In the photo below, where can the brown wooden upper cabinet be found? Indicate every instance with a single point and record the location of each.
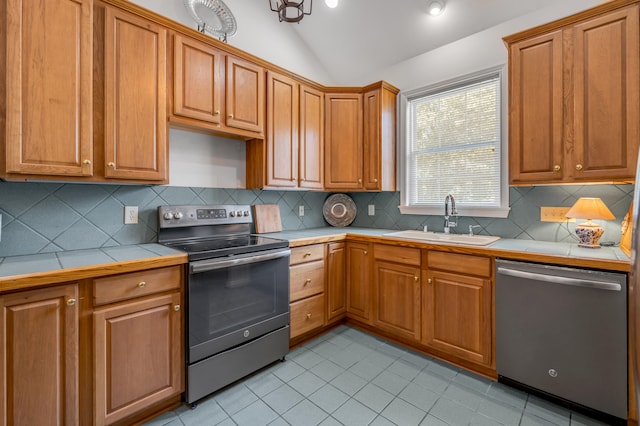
(574, 98)
(135, 133)
(291, 154)
(360, 130)
(47, 84)
(215, 91)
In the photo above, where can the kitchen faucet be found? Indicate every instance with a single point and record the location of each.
(449, 212)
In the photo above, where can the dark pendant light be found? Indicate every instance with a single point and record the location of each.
(290, 11)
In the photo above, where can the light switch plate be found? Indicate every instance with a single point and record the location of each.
(130, 215)
(300, 211)
(372, 210)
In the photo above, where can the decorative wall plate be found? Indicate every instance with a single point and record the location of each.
(339, 210)
(212, 16)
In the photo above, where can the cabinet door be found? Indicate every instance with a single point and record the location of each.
(311, 156)
(48, 126)
(138, 350)
(358, 285)
(457, 315)
(397, 298)
(135, 98)
(343, 141)
(380, 140)
(39, 335)
(606, 96)
(536, 110)
(197, 80)
(336, 286)
(244, 95)
(282, 131)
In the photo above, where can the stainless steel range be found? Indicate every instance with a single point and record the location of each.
(237, 293)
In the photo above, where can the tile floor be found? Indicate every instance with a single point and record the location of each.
(347, 377)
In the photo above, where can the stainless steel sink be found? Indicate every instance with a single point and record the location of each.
(474, 240)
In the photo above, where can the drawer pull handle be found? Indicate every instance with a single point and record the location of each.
(231, 116)
(307, 254)
(308, 316)
(71, 302)
(142, 284)
(307, 281)
(176, 308)
(578, 167)
(556, 168)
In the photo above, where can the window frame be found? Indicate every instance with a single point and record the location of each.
(405, 97)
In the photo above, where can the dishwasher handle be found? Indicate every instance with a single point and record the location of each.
(578, 282)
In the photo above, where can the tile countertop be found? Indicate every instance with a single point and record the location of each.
(18, 272)
(569, 254)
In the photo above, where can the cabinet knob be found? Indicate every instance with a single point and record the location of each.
(307, 281)
(308, 316)
(176, 308)
(359, 180)
(301, 179)
(556, 168)
(366, 252)
(87, 162)
(375, 180)
(71, 302)
(230, 116)
(142, 284)
(578, 167)
(429, 281)
(111, 165)
(416, 278)
(217, 112)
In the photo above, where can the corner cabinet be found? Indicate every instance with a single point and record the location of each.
(457, 306)
(574, 98)
(135, 132)
(358, 285)
(336, 288)
(46, 88)
(138, 342)
(39, 357)
(360, 139)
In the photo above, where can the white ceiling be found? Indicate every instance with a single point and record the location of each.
(375, 34)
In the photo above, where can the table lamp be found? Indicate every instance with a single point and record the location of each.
(589, 232)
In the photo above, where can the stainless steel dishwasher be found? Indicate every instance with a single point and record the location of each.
(563, 331)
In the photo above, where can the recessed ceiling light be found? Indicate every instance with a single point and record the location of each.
(331, 3)
(436, 8)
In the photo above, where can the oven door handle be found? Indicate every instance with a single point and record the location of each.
(211, 265)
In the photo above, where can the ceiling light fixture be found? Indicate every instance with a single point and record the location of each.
(290, 11)
(331, 3)
(436, 7)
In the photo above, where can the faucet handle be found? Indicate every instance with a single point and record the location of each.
(471, 229)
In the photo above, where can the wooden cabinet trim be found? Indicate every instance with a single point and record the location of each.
(460, 263)
(307, 315)
(306, 254)
(136, 284)
(404, 255)
(306, 280)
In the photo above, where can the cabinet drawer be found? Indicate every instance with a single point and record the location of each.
(405, 255)
(462, 263)
(307, 315)
(307, 254)
(306, 280)
(136, 284)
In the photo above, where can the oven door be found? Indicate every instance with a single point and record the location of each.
(234, 300)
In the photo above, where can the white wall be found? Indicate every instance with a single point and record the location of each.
(477, 52)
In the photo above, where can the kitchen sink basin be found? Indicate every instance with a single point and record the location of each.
(434, 237)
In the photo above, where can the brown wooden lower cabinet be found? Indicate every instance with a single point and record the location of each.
(40, 367)
(307, 315)
(137, 347)
(336, 288)
(457, 306)
(358, 285)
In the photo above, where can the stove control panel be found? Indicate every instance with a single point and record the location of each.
(182, 216)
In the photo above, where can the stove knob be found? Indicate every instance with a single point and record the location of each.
(239, 213)
(232, 213)
(178, 215)
(168, 216)
(245, 213)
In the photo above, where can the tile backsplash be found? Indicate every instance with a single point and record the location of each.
(46, 217)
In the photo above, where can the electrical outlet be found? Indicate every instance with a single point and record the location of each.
(554, 214)
(372, 209)
(300, 211)
(130, 215)
(0, 227)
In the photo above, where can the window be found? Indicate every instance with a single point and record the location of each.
(453, 144)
